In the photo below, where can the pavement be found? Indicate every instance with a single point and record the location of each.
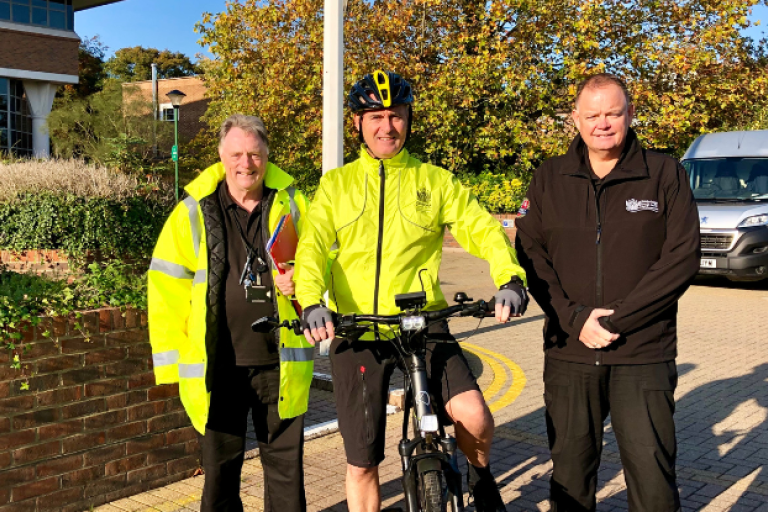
(721, 417)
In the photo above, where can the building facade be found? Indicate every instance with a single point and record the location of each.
(191, 111)
(38, 53)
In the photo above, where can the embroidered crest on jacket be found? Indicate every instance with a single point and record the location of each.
(423, 199)
(642, 205)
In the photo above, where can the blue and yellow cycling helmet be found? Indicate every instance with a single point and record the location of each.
(379, 90)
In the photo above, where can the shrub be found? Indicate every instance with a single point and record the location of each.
(79, 225)
(498, 193)
(64, 176)
(78, 208)
(24, 298)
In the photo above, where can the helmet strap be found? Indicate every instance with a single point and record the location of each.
(410, 123)
(360, 129)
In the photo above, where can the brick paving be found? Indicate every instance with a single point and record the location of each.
(722, 412)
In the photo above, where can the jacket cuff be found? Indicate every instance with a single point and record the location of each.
(578, 319)
(607, 324)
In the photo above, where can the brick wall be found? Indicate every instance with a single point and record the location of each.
(38, 52)
(93, 427)
(449, 241)
(39, 262)
(192, 109)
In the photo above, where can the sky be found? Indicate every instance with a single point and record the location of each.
(169, 24)
(161, 24)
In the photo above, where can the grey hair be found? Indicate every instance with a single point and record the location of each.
(249, 124)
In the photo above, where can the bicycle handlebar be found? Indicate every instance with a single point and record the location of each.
(468, 309)
(477, 309)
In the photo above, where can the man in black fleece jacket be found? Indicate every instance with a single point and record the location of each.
(610, 243)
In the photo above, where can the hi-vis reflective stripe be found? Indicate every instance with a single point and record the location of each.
(171, 269)
(194, 224)
(200, 276)
(297, 355)
(191, 371)
(165, 358)
(295, 213)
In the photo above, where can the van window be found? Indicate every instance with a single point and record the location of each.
(729, 179)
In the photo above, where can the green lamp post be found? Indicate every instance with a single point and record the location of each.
(176, 98)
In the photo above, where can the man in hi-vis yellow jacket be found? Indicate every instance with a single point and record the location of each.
(209, 279)
(387, 213)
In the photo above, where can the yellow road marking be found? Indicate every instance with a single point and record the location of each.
(499, 376)
(518, 377)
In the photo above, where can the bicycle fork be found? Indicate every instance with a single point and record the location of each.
(427, 424)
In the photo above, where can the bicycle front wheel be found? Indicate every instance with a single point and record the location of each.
(432, 491)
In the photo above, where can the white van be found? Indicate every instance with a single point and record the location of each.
(729, 178)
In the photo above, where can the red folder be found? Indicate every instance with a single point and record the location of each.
(282, 248)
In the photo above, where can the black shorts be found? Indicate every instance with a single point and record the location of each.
(361, 374)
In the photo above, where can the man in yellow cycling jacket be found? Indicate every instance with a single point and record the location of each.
(209, 279)
(387, 213)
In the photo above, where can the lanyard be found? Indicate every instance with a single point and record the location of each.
(251, 253)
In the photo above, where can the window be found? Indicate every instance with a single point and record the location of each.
(728, 179)
(166, 112)
(58, 14)
(15, 118)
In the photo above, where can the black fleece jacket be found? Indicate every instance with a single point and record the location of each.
(629, 243)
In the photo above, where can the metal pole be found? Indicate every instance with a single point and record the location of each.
(176, 149)
(154, 110)
(333, 85)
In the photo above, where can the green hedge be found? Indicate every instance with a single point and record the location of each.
(126, 227)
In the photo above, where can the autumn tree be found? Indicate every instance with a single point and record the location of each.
(134, 64)
(494, 80)
(109, 127)
(91, 73)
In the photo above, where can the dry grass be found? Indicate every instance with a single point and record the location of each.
(73, 176)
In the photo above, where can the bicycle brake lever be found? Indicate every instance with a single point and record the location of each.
(298, 329)
(484, 310)
(490, 309)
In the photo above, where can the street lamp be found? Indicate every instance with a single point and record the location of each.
(176, 98)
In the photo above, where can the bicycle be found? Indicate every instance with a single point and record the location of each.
(431, 477)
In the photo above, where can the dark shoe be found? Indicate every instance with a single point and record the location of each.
(484, 491)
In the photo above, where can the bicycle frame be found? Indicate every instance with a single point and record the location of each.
(430, 452)
(434, 450)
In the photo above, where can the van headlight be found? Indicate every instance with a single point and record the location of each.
(755, 220)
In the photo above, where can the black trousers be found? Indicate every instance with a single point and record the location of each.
(640, 399)
(235, 392)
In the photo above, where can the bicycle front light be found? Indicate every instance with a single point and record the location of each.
(429, 423)
(413, 323)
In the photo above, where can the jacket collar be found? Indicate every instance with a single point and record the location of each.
(397, 162)
(205, 184)
(631, 164)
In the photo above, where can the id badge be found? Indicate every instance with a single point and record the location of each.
(256, 293)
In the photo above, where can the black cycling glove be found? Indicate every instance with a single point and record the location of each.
(514, 295)
(316, 316)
